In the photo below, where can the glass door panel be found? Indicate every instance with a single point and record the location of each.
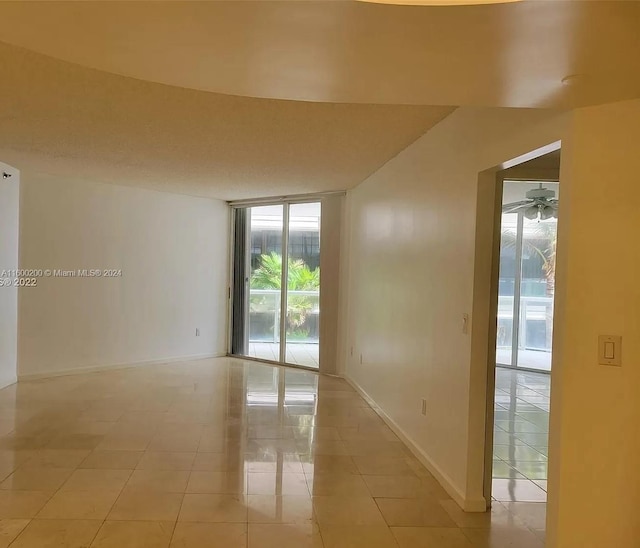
(276, 283)
(265, 281)
(303, 285)
(536, 293)
(526, 280)
(506, 289)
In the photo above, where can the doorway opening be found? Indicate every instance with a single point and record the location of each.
(276, 283)
(524, 332)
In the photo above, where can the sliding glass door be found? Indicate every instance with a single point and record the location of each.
(276, 304)
(303, 288)
(526, 284)
(536, 293)
(510, 228)
(265, 281)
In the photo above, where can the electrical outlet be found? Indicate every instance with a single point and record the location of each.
(424, 407)
(197, 331)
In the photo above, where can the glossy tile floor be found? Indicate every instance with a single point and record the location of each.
(521, 436)
(222, 453)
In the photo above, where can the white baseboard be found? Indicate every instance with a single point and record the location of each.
(468, 505)
(101, 368)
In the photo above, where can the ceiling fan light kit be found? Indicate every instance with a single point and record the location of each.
(540, 212)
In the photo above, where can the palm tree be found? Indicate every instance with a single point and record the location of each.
(299, 278)
(269, 274)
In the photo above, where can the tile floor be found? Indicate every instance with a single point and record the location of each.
(521, 436)
(222, 453)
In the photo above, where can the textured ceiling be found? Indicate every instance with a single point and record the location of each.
(70, 121)
(514, 54)
(245, 99)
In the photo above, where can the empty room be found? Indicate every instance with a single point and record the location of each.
(319, 274)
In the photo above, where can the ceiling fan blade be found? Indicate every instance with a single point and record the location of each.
(515, 206)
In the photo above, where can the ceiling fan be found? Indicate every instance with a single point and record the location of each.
(540, 203)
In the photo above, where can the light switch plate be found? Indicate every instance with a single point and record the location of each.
(610, 350)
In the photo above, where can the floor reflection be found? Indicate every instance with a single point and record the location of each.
(247, 454)
(521, 435)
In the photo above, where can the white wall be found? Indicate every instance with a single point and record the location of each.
(594, 458)
(9, 200)
(330, 240)
(410, 280)
(172, 251)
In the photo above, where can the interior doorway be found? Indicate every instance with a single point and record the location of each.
(524, 333)
(276, 283)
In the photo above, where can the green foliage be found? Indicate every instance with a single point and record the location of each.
(302, 278)
(299, 278)
(269, 274)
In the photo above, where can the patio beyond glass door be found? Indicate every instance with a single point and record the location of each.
(276, 306)
(526, 287)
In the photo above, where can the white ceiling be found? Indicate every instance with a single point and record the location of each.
(72, 122)
(513, 54)
(244, 99)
